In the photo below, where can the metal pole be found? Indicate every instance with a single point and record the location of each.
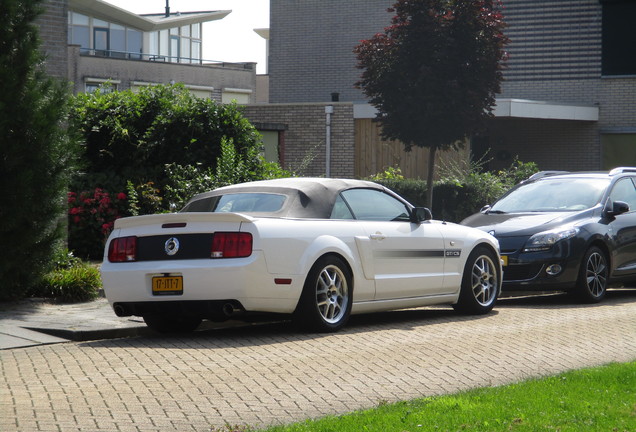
(328, 112)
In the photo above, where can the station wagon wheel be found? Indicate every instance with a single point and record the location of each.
(325, 303)
(591, 285)
(172, 324)
(480, 282)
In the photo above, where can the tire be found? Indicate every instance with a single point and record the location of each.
(591, 285)
(325, 303)
(480, 283)
(172, 324)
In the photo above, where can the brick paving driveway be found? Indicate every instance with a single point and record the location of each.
(272, 374)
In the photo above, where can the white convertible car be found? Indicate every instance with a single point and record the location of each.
(313, 248)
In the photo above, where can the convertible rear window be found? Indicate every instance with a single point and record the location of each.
(238, 203)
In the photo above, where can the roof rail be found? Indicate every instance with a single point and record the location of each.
(542, 174)
(620, 170)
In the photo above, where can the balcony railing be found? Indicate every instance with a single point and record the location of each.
(123, 55)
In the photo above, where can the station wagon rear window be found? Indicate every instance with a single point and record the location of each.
(238, 203)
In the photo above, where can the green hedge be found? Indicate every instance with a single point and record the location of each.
(460, 191)
(451, 202)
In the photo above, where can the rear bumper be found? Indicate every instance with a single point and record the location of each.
(206, 283)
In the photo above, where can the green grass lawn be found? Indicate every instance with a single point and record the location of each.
(599, 399)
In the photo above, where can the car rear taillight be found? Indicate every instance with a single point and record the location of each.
(123, 249)
(231, 245)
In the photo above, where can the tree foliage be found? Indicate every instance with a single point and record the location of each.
(36, 153)
(434, 72)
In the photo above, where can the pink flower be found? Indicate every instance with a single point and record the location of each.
(121, 196)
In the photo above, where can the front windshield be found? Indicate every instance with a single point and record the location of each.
(552, 195)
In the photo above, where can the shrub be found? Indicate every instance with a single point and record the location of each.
(412, 190)
(72, 280)
(391, 173)
(132, 136)
(462, 190)
(144, 198)
(91, 217)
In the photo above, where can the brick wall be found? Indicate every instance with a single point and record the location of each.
(552, 144)
(618, 104)
(53, 27)
(311, 47)
(305, 136)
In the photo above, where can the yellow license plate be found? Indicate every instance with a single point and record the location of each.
(167, 285)
(504, 260)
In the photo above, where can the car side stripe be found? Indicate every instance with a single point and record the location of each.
(409, 254)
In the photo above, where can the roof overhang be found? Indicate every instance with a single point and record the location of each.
(516, 108)
(108, 12)
(531, 109)
(262, 32)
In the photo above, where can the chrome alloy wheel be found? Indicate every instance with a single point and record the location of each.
(596, 274)
(484, 281)
(332, 294)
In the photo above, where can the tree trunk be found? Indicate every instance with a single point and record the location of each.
(429, 177)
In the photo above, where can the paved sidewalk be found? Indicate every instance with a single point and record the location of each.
(38, 321)
(272, 374)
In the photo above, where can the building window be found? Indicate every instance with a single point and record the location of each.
(619, 37)
(178, 45)
(78, 30)
(103, 85)
(164, 43)
(273, 141)
(101, 41)
(118, 39)
(98, 37)
(135, 43)
(136, 86)
(174, 48)
(240, 96)
(270, 146)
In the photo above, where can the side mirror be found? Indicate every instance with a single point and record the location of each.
(616, 208)
(420, 214)
(485, 209)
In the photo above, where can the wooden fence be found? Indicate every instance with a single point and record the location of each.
(373, 155)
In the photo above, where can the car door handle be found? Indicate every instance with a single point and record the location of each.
(377, 236)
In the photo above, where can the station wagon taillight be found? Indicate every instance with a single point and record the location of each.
(123, 249)
(231, 245)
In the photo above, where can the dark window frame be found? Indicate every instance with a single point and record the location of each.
(619, 38)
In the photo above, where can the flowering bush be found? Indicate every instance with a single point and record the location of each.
(91, 217)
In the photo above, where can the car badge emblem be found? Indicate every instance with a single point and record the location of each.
(491, 232)
(172, 246)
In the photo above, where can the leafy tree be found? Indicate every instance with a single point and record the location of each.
(35, 156)
(434, 72)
